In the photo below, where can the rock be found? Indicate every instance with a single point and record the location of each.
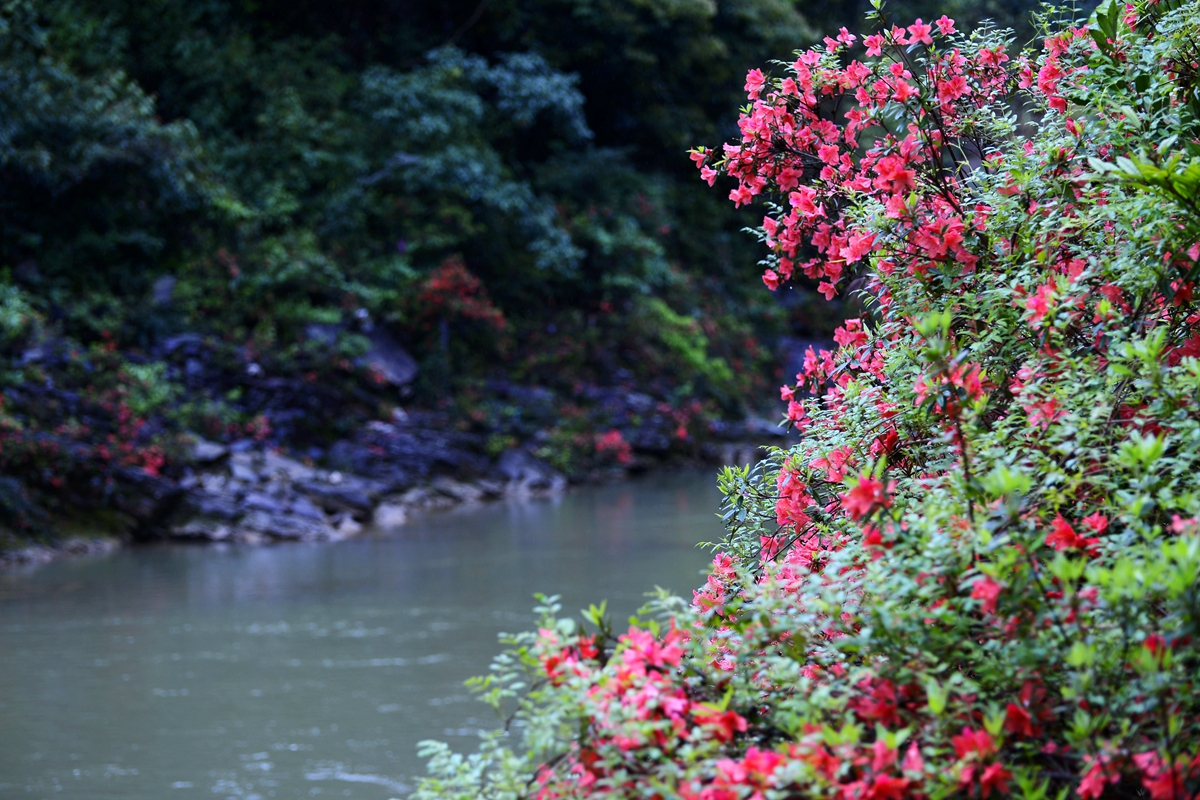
(416, 496)
(400, 454)
(639, 403)
(350, 494)
(389, 359)
(649, 440)
(287, 526)
(44, 554)
(222, 505)
(324, 333)
(526, 473)
(740, 453)
(212, 482)
(462, 492)
(303, 507)
(425, 498)
(758, 426)
(271, 510)
(491, 488)
(204, 451)
(346, 525)
(262, 502)
(242, 467)
(201, 530)
(390, 515)
(143, 495)
(163, 288)
(274, 464)
(185, 340)
(32, 355)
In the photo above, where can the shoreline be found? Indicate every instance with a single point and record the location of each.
(244, 524)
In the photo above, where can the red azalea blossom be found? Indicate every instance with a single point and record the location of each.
(988, 591)
(1063, 537)
(994, 778)
(864, 498)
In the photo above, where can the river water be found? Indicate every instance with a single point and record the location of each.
(308, 670)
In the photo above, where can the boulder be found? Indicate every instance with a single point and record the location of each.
(346, 525)
(163, 289)
(274, 465)
(760, 426)
(639, 403)
(205, 530)
(739, 453)
(258, 501)
(211, 481)
(186, 341)
(390, 515)
(303, 507)
(221, 505)
(143, 495)
(462, 492)
(350, 493)
(416, 496)
(490, 488)
(322, 332)
(241, 465)
(526, 473)
(288, 526)
(650, 439)
(389, 359)
(205, 452)
(427, 498)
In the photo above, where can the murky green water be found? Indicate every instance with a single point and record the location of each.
(307, 670)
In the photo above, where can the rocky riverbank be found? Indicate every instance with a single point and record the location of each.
(250, 493)
(253, 496)
(200, 441)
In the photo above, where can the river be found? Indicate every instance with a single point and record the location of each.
(308, 670)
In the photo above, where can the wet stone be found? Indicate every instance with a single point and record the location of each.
(274, 464)
(287, 526)
(526, 473)
(302, 506)
(243, 472)
(350, 494)
(263, 502)
(462, 492)
(221, 506)
(204, 451)
(390, 515)
(201, 530)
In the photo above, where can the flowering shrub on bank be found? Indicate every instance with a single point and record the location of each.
(978, 572)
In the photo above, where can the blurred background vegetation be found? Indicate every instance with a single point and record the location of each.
(200, 197)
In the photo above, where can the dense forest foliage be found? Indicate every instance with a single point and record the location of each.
(212, 212)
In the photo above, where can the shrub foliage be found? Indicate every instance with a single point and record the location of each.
(978, 572)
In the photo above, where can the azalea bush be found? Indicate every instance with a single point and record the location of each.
(978, 572)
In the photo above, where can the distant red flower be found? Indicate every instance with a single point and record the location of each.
(988, 591)
(864, 498)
